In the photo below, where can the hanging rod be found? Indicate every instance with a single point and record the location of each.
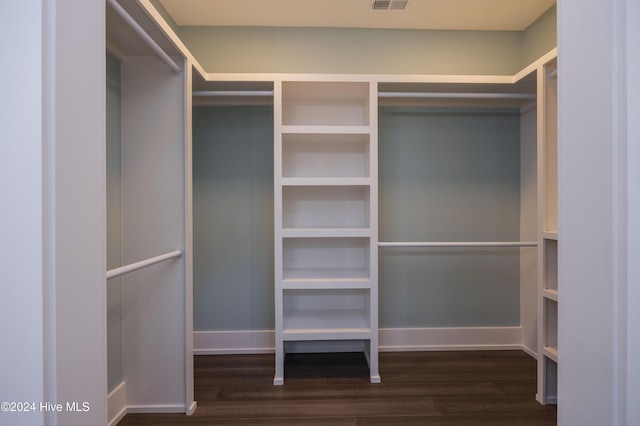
(146, 37)
(552, 74)
(113, 273)
(456, 95)
(233, 93)
(459, 244)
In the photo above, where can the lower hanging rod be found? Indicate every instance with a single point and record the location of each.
(113, 273)
(460, 244)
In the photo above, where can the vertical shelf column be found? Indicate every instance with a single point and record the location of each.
(325, 197)
(547, 234)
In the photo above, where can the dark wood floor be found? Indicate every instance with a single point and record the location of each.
(418, 388)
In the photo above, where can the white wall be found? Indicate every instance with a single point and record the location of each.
(21, 214)
(632, 13)
(597, 256)
(53, 302)
(153, 223)
(78, 218)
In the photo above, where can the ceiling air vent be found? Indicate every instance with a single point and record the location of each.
(389, 4)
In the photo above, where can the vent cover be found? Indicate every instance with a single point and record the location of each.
(389, 4)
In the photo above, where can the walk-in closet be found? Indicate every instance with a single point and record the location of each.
(345, 212)
(323, 212)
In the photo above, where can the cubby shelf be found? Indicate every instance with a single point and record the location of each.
(325, 192)
(548, 285)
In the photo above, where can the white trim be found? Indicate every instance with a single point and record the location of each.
(157, 408)
(529, 351)
(450, 338)
(391, 340)
(233, 342)
(117, 404)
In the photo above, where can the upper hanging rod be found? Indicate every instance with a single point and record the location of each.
(233, 93)
(142, 33)
(459, 244)
(552, 74)
(113, 273)
(456, 95)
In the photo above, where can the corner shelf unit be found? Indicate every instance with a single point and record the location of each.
(548, 288)
(325, 198)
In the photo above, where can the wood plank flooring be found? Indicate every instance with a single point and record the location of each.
(483, 388)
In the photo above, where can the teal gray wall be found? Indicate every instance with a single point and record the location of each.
(356, 51)
(445, 175)
(114, 222)
(540, 37)
(368, 51)
(166, 16)
(449, 175)
(233, 218)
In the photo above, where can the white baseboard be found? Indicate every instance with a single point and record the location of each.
(117, 404)
(449, 339)
(530, 351)
(159, 408)
(390, 339)
(233, 342)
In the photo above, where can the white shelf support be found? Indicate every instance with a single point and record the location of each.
(114, 273)
(460, 244)
(143, 34)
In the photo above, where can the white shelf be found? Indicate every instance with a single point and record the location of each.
(326, 129)
(548, 284)
(325, 207)
(324, 274)
(319, 155)
(551, 353)
(325, 103)
(360, 283)
(309, 313)
(326, 232)
(550, 294)
(326, 215)
(315, 321)
(326, 181)
(550, 267)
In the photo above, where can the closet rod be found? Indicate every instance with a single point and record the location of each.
(146, 37)
(455, 95)
(459, 244)
(113, 273)
(552, 74)
(233, 93)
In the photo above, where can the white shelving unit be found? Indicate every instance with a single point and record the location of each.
(548, 287)
(325, 190)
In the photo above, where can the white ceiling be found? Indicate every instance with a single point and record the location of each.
(499, 15)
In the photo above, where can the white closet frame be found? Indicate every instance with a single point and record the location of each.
(157, 295)
(548, 286)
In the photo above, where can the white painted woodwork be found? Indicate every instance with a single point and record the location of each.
(25, 375)
(156, 329)
(548, 288)
(598, 381)
(75, 218)
(325, 195)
